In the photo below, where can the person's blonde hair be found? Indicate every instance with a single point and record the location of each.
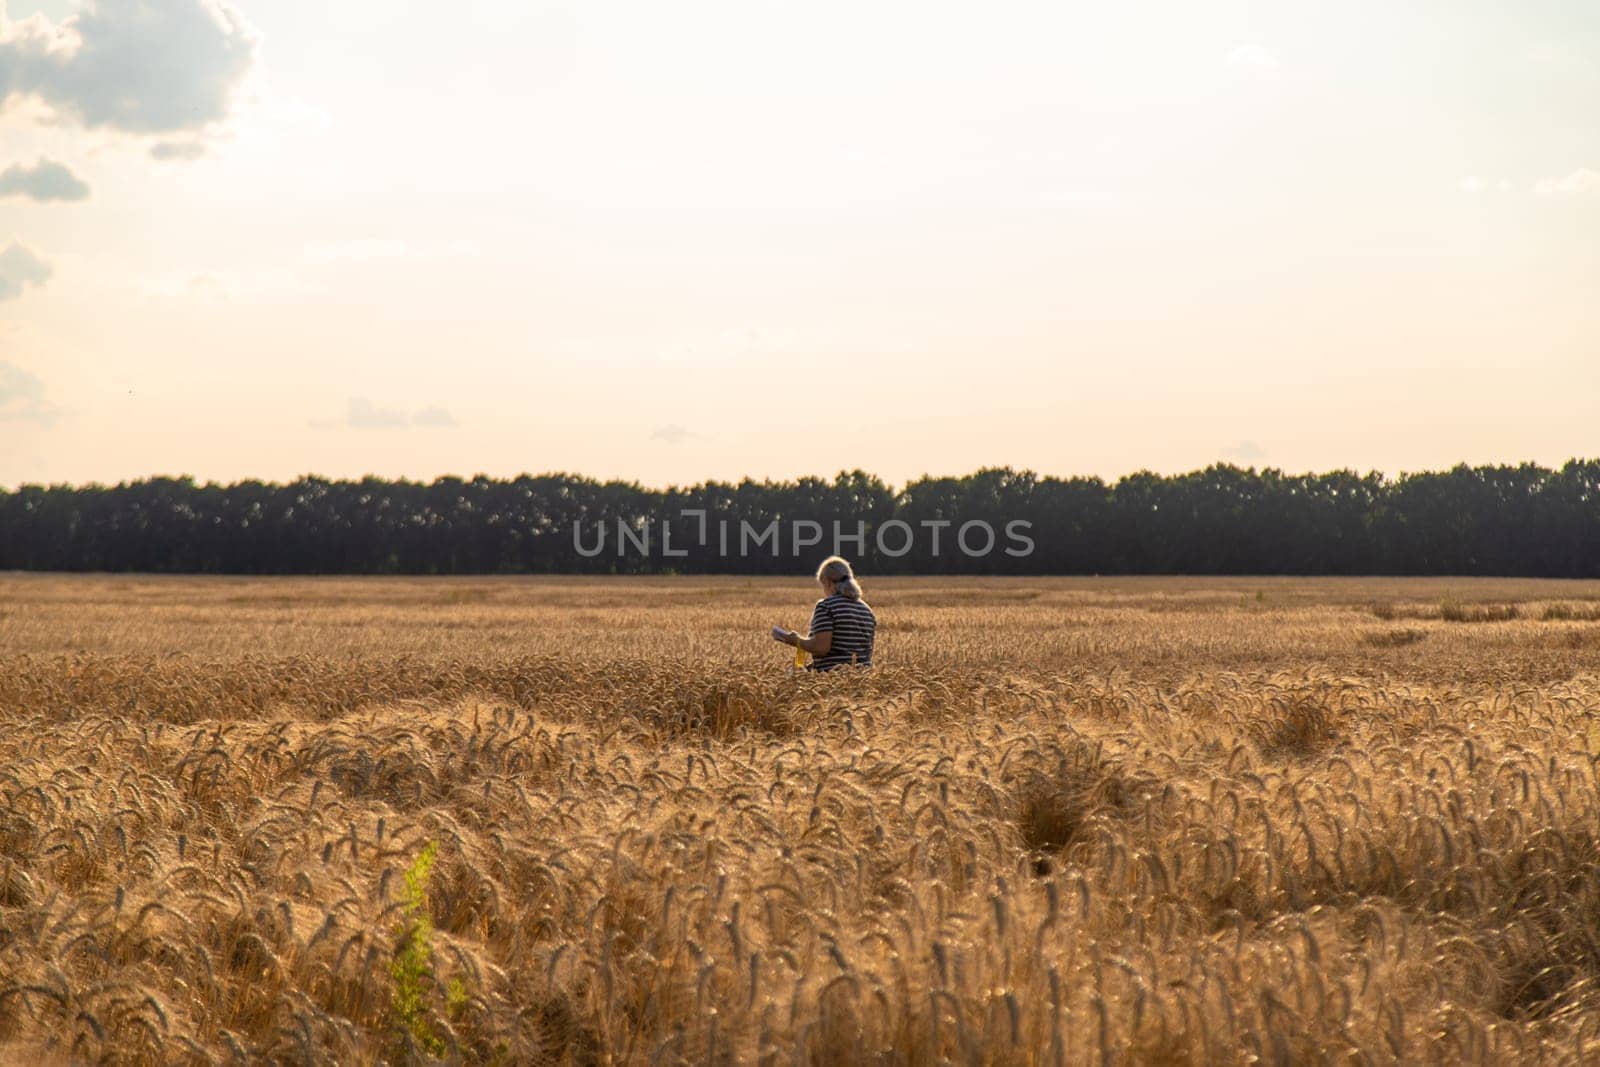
(836, 569)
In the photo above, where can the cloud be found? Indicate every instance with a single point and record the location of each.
(433, 417)
(167, 151)
(45, 180)
(1472, 184)
(20, 268)
(1254, 61)
(673, 434)
(362, 414)
(1246, 452)
(22, 396)
(137, 66)
(1581, 182)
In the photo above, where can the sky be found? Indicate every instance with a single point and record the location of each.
(673, 242)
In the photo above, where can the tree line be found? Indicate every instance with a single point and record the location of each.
(1490, 520)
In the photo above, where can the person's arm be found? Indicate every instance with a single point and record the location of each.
(816, 644)
(821, 639)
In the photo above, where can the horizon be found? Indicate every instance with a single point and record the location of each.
(664, 246)
(1387, 477)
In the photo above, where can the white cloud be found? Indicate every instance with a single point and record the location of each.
(22, 396)
(45, 180)
(433, 417)
(20, 267)
(1472, 184)
(1254, 61)
(168, 151)
(137, 66)
(673, 434)
(1246, 452)
(362, 414)
(1581, 182)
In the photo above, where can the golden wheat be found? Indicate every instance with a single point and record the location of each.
(1063, 822)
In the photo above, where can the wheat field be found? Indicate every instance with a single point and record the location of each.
(564, 821)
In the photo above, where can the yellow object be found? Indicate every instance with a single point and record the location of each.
(799, 656)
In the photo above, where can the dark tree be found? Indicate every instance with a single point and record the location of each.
(1523, 520)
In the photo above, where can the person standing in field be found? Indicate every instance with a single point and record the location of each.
(842, 625)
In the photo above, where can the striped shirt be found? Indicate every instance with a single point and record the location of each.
(852, 624)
